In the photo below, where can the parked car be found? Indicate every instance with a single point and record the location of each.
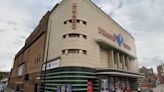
(1, 88)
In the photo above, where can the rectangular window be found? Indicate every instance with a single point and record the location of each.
(74, 35)
(65, 22)
(84, 52)
(70, 21)
(63, 51)
(64, 36)
(73, 51)
(84, 36)
(20, 69)
(85, 23)
(78, 21)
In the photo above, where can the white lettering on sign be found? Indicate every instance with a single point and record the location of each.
(53, 64)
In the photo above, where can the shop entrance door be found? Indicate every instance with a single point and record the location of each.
(36, 88)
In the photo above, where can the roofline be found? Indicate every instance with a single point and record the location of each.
(48, 13)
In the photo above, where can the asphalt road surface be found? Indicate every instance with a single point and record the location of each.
(159, 88)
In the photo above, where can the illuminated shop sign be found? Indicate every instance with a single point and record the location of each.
(116, 38)
(74, 8)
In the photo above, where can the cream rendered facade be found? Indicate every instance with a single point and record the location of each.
(95, 19)
(91, 44)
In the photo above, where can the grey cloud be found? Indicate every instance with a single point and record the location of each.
(2, 30)
(109, 6)
(150, 61)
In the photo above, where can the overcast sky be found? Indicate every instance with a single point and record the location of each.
(144, 19)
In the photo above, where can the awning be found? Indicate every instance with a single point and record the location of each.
(118, 72)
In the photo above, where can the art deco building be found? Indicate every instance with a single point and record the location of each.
(87, 50)
(81, 50)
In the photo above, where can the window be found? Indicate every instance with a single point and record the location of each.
(20, 69)
(65, 22)
(84, 36)
(74, 35)
(85, 23)
(84, 52)
(39, 57)
(70, 21)
(37, 60)
(78, 21)
(63, 51)
(64, 36)
(73, 51)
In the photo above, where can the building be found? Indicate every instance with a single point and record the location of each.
(76, 48)
(26, 70)
(150, 79)
(87, 50)
(160, 70)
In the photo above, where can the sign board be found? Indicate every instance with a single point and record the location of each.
(104, 85)
(53, 64)
(114, 38)
(64, 88)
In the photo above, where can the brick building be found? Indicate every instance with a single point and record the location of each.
(150, 78)
(160, 70)
(25, 73)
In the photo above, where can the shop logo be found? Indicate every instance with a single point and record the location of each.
(119, 39)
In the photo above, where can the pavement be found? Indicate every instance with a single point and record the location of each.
(9, 90)
(159, 88)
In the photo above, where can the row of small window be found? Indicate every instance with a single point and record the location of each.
(74, 35)
(77, 21)
(74, 51)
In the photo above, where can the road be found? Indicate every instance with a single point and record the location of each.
(159, 88)
(9, 90)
